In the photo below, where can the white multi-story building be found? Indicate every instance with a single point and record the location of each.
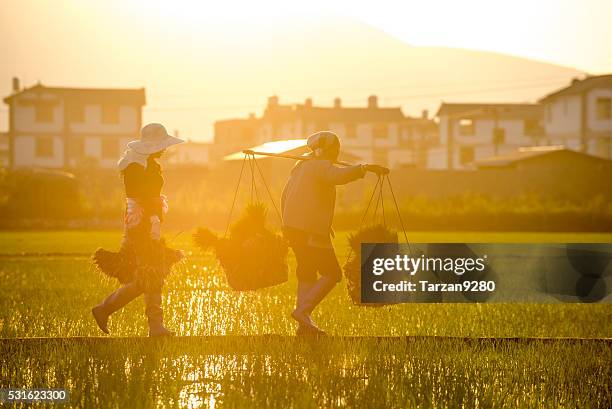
(470, 132)
(189, 153)
(54, 127)
(375, 134)
(580, 116)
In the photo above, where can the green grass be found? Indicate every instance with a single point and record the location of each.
(51, 295)
(75, 241)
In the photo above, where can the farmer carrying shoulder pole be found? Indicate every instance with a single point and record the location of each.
(143, 260)
(307, 204)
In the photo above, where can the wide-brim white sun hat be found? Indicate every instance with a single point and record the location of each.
(153, 138)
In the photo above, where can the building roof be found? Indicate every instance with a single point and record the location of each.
(312, 113)
(237, 121)
(134, 96)
(578, 86)
(501, 111)
(307, 112)
(526, 153)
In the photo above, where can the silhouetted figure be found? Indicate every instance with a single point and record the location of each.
(308, 202)
(143, 261)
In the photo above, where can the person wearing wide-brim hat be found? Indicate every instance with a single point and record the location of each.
(144, 260)
(307, 204)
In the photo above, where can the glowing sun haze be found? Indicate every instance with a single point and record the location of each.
(575, 33)
(202, 61)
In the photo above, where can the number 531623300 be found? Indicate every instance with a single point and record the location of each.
(33, 395)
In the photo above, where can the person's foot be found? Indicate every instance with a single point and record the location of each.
(101, 318)
(161, 332)
(304, 320)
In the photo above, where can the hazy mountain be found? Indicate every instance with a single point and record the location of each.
(195, 75)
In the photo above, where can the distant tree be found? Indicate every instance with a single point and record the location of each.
(42, 194)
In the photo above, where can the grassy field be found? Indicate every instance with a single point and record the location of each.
(48, 287)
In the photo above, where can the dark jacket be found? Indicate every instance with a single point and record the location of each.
(144, 185)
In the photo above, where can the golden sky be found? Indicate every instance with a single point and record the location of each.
(574, 33)
(201, 61)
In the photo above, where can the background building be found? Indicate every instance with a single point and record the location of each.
(4, 150)
(551, 159)
(376, 134)
(189, 153)
(469, 132)
(55, 127)
(580, 116)
(234, 135)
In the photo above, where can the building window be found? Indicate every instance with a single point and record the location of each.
(350, 130)
(531, 127)
(77, 147)
(466, 127)
(76, 113)
(466, 155)
(604, 108)
(408, 133)
(110, 114)
(110, 148)
(44, 147)
(44, 112)
(499, 136)
(380, 131)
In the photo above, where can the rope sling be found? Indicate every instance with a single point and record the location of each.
(249, 158)
(380, 201)
(226, 249)
(251, 255)
(373, 228)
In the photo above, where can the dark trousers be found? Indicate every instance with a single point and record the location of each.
(312, 260)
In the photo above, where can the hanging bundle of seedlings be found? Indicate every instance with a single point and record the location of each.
(156, 262)
(252, 256)
(376, 233)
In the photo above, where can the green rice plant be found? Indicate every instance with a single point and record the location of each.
(237, 349)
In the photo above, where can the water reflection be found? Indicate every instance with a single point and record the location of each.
(283, 372)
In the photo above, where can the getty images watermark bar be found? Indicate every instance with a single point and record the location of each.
(486, 272)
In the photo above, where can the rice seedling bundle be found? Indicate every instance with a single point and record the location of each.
(156, 262)
(253, 256)
(376, 233)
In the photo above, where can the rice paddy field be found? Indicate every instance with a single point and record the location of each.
(239, 350)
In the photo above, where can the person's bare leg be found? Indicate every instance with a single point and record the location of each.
(115, 301)
(318, 292)
(313, 297)
(303, 288)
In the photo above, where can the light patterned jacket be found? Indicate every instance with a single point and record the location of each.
(309, 196)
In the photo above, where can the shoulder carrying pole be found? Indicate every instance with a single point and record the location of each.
(286, 156)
